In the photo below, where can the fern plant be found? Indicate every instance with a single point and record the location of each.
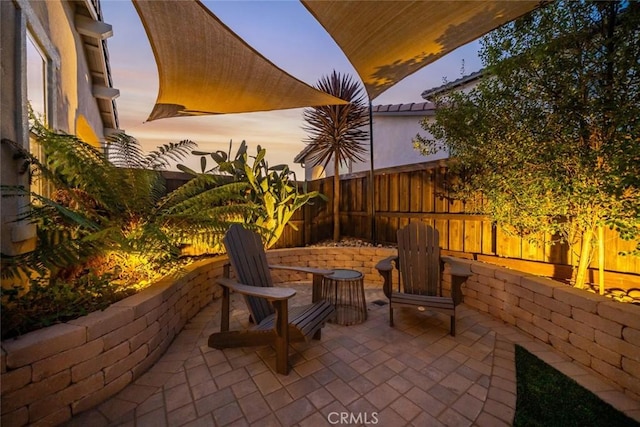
(107, 215)
(107, 228)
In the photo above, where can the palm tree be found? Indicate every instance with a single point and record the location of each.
(338, 132)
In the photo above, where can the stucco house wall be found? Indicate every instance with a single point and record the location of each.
(394, 128)
(78, 89)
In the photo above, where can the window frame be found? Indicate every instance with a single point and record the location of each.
(29, 26)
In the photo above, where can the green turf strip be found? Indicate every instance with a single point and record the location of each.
(547, 397)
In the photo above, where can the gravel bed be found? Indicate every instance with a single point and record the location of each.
(349, 242)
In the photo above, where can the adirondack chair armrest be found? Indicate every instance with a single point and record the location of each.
(458, 267)
(385, 268)
(460, 271)
(271, 294)
(317, 273)
(387, 264)
(310, 270)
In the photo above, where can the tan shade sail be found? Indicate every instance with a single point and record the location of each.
(204, 68)
(389, 40)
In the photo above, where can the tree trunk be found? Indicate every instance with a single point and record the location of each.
(601, 259)
(336, 199)
(585, 256)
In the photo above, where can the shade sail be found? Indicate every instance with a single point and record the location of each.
(204, 68)
(389, 40)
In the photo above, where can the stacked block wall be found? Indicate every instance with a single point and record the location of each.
(54, 373)
(591, 329)
(363, 259)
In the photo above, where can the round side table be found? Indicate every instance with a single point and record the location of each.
(345, 290)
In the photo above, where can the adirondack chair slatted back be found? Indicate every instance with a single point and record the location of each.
(249, 261)
(419, 259)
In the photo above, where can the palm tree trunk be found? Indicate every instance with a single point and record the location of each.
(336, 198)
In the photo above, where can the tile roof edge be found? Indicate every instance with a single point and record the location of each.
(410, 107)
(452, 85)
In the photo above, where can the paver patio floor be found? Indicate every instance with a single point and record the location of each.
(366, 374)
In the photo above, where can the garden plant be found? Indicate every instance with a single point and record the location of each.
(272, 188)
(106, 227)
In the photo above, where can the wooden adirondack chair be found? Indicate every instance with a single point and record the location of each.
(419, 268)
(275, 322)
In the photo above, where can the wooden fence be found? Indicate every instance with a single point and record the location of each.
(419, 193)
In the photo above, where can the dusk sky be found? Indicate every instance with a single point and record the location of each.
(282, 31)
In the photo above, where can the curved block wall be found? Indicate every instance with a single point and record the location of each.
(51, 374)
(593, 330)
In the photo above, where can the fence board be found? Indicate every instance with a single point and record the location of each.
(442, 225)
(382, 193)
(533, 249)
(416, 183)
(558, 253)
(394, 193)
(404, 192)
(472, 237)
(488, 243)
(427, 191)
(508, 246)
(366, 230)
(456, 235)
(613, 248)
(440, 201)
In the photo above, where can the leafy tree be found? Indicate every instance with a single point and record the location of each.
(338, 132)
(550, 136)
(273, 190)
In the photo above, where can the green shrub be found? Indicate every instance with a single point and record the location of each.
(48, 302)
(272, 189)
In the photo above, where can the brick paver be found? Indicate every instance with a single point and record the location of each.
(413, 374)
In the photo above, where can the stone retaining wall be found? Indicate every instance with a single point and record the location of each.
(363, 259)
(54, 373)
(593, 330)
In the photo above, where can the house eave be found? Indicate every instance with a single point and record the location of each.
(94, 32)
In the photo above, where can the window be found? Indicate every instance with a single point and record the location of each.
(36, 73)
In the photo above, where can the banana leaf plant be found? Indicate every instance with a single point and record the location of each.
(273, 189)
